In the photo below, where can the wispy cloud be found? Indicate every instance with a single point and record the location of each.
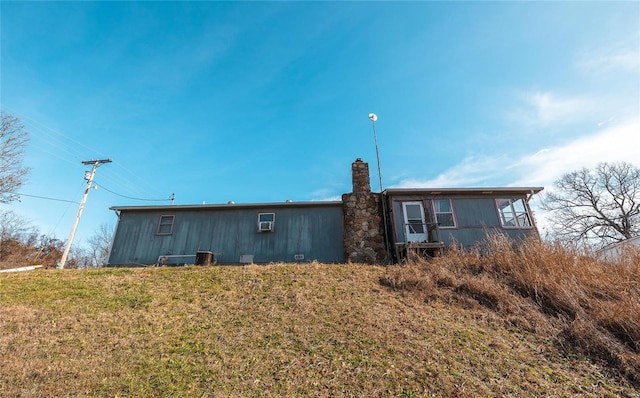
(544, 165)
(547, 108)
(615, 58)
(324, 194)
(612, 144)
(472, 171)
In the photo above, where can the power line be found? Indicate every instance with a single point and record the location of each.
(130, 197)
(44, 197)
(48, 130)
(58, 145)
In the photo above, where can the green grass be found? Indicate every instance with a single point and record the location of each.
(277, 330)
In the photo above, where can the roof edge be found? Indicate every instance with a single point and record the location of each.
(318, 203)
(477, 190)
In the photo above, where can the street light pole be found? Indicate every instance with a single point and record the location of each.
(373, 117)
(88, 175)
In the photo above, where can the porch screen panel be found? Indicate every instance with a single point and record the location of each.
(513, 213)
(506, 213)
(522, 217)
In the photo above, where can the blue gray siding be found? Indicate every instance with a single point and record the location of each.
(315, 232)
(474, 217)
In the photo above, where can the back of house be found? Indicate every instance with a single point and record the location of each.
(364, 226)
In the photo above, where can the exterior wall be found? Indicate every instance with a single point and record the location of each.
(315, 232)
(474, 216)
(617, 251)
(363, 224)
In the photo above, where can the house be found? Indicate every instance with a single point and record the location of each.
(617, 250)
(364, 226)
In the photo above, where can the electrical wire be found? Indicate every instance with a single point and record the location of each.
(47, 198)
(130, 197)
(55, 144)
(50, 132)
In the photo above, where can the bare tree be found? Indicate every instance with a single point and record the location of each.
(12, 229)
(80, 257)
(100, 243)
(12, 225)
(13, 139)
(598, 206)
(49, 250)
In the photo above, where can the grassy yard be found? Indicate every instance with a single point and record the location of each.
(277, 330)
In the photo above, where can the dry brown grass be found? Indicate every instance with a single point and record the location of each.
(586, 306)
(278, 330)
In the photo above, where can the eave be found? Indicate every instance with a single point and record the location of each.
(485, 191)
(228, 206)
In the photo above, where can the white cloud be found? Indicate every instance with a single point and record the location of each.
(608, 60)
(324, 194)
(335, 198)
(551, 109)
(472, 171)
(546, 108)
(542, 167)
(613, 144)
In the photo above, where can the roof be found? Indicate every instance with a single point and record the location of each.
(335, 203)
(463, 191)
(227, 206)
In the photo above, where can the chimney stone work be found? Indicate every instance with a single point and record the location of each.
(360, 176)
(363, 226)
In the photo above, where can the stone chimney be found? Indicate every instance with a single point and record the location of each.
(360, 176)
(363, 226)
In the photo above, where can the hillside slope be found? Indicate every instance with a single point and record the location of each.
(277, 330)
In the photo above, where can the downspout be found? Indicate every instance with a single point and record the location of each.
(386, 228)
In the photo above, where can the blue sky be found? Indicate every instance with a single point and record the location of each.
(268, 101)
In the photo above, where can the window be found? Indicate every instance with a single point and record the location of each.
(513, 213)
(444, 213)
(415, 217)
(266, 221)
(165, 225)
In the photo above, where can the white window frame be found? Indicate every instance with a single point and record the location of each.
(162, 224)
(452, 212)
(409, 224)
(261, 220)
(521, 219)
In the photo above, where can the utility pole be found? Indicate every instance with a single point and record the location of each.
(88, 175)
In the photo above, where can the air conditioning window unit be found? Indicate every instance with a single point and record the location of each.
(265, 222)
(265, 226)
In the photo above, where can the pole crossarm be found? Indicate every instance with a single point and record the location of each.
(98, 162)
